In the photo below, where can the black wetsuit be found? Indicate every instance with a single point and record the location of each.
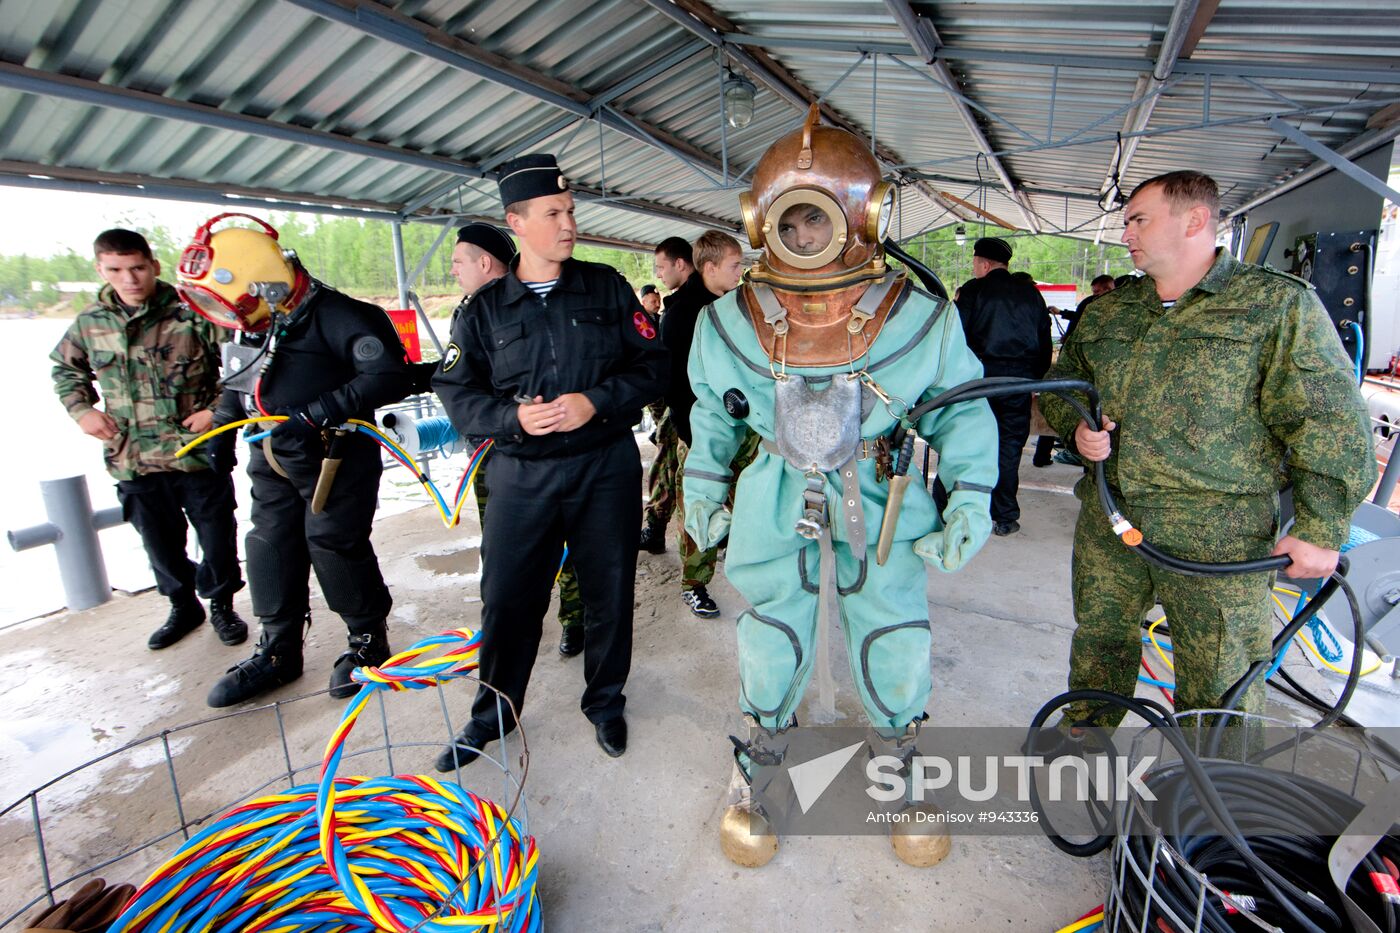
(337, 352)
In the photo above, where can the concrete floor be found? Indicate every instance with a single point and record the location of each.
(627, 844)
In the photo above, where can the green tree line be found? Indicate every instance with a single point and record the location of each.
(356, 255)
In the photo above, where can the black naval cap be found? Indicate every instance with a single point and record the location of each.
(490, 238)
(993, 248)
(530, 176)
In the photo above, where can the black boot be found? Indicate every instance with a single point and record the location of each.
(653, 538)
(571, 640)
(465, 749)
(229, 626)
(369, 649)
(185, 616)
(273, 665)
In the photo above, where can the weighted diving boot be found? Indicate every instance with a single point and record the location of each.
(746, 834)
(920, 837)
(275, 664)
(367, 649)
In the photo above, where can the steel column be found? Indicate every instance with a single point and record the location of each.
(419, 269)
(400, 267)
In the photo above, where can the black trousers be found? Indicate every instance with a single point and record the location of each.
(593, 502)
(1013, 414)
(158, 505)
(287, 540)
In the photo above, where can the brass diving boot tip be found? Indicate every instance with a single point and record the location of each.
(745, 837)
(921, 843)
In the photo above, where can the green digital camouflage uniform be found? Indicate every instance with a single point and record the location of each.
(1208, 397)
(662, 477)
(153, 369)
(698, 564)
(570, 602)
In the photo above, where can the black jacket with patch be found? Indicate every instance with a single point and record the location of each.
(588, 335)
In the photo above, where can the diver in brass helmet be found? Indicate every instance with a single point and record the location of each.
(822, 351)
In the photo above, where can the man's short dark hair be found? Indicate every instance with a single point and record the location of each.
(673, 248)
(1185, 190)
(1104, 279)
(122, 242)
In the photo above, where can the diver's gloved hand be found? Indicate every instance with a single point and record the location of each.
(706, 522)
(306, 420)
(93, 907)
(966, 528)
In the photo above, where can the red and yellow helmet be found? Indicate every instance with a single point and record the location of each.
(237, 276)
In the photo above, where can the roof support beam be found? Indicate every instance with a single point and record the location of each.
(1184, 22)
(1223, 68)
(83, 91)
(392, 27)
(1335, 160)
(699, 19)
(607, 95)
(29, 81)
(83, 181)
(924, 38)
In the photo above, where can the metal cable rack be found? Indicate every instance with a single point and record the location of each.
(123, 813)
(1136, 900)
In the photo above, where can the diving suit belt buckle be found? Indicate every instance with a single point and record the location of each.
(814, 517)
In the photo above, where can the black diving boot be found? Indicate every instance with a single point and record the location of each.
(369, 649)
(275, 664)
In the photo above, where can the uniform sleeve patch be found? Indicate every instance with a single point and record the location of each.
(450, 356)
(368, 348)
(645, 327)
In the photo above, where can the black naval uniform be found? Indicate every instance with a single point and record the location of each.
(339, 356)
(1008, 329)
(588, 335)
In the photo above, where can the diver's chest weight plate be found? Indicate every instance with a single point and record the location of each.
(817, 428)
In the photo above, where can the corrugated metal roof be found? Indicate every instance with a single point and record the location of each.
(399, 107)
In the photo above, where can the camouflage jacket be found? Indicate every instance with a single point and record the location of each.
(153, 368)
(1239, 388)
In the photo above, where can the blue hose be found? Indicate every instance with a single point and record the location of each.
(1360, 352)
(435, 433)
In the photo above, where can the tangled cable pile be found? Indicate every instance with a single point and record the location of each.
(354, 854)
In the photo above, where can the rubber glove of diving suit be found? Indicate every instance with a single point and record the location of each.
(93, 907)
(966, 527)
(706, 522)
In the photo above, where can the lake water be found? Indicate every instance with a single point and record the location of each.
(44, 443)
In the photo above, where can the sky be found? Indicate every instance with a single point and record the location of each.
(42, 223)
